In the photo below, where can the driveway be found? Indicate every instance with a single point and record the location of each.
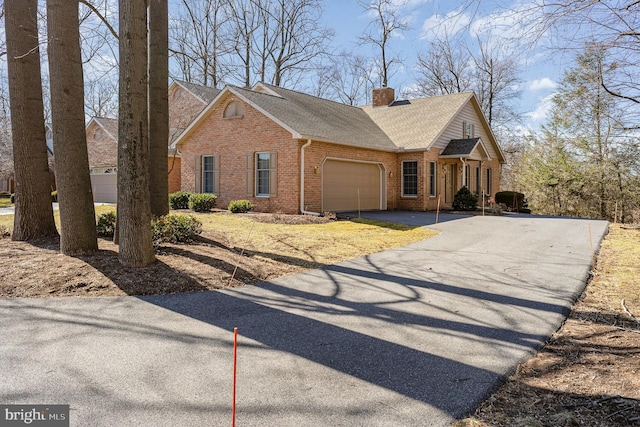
(416, 336)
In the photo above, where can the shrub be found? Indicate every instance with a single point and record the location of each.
(464, 200)
(54, 196)
(179, 200)
(106, 225)
(202, 202)
(12, 198)
(240, 206)
(175, 229)
(513, 200)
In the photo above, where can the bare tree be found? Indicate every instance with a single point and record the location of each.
(198, 43)
(353, 82)
(134, 210)
(446, 69)
(77, 215)
(386, 20)
(33, 210)
(246, 17)
(158, 106)
(296, 38)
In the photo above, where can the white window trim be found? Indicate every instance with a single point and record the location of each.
(409, 196)
(257, 176)
(212, 171)
(433, 179)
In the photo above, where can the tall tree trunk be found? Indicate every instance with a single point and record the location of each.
(34, 213)
(134, 207)
(158, 106)
(77, 214)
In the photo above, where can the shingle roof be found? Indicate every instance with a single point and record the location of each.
(317, 118)
(206, 93)
(460, 147)
(417, 123)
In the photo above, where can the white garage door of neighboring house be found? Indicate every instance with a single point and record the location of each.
(104, 187)
(349, 186)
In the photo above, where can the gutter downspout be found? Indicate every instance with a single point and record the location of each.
(304, 212)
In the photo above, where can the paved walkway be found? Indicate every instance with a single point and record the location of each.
(10, 210)
(415, 336)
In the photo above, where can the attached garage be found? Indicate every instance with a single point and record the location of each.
(104, 187)
(350, 186)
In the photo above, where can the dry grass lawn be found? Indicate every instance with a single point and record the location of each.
(233, 250)
(588, 374)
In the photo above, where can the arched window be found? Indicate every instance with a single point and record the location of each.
(234, 109)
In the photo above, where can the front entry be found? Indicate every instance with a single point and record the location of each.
(450, 181)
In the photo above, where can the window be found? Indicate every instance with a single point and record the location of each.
(467, 176)
(263, 174)
(467, 130)
(234, 109)
(207, 174)
(488, 186)
(410, 178)
(432, 179)
(478, 181)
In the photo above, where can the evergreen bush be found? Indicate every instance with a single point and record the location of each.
(464, 200)
(179, 200)
(202, 202)
(240, 206)
(175, 229)
(106, 225)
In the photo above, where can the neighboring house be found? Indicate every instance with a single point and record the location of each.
(290, 152)
(186, 101)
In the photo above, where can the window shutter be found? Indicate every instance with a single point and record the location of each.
(464, 130)
(273, 174)
(198, 175)
(473, 131)
(216, 175)
(250, 183)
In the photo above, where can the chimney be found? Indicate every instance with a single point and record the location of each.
(383, 96)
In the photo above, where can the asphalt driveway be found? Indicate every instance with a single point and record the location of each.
(415, 336)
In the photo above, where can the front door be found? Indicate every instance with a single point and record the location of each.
(450, 182)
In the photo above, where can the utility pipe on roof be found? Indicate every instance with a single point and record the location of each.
(304, 212)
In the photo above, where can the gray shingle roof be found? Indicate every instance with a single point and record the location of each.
(460, 147)
(320, 119)
(417, 123)
(206, 93)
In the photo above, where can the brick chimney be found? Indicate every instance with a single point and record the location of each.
(383, 96)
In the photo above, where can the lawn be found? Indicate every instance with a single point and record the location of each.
(233, 250)
(588, 374)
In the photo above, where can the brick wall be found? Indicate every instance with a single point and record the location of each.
(174, 174)
(183, 106)
(232, 140)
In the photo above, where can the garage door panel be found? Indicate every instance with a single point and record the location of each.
(351, 186)
(104, 187)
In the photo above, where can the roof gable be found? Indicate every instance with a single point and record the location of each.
(204, 94)
(470, 148)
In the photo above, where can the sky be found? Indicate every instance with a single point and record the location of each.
(540, 68)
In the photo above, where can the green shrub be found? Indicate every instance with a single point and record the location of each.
(54, 196)
(240, 206)
(179, 200)
(175, 228)
(513, 200)
(4, 194)
(12, 198)
(202, 202)
(106, 225)
(464, 200)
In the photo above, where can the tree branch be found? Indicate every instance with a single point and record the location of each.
(618, 95)
(102, 18)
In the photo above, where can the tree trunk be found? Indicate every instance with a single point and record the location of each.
(134, 207)
(77, 214)
(158, 106)
(33, 211)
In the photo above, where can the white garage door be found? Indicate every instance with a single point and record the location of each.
(104, 187)
(349, 186)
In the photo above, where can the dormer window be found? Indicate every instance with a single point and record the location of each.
(234, 109)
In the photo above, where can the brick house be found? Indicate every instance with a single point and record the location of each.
(186, 101)
(295, 153)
